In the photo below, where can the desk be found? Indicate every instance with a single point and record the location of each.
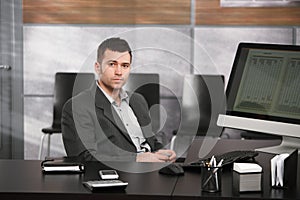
(185, 190)
(23, 179)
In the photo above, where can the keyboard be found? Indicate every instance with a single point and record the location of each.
(228, 158)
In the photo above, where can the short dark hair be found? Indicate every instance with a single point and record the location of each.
(113, 44)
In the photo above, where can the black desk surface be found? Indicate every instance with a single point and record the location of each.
(23, 179)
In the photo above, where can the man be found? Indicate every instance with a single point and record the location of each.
(105, 122)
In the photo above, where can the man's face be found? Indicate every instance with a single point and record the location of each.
(113, 71)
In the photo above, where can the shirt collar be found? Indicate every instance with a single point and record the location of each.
(123, 95)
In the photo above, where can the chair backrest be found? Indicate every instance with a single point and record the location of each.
(203, 100)
(148, 86)
(67, 85)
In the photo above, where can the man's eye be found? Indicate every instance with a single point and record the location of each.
(125, 66)
(111, 64)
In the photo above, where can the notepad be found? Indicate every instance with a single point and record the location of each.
(247, 167)
(63, 164)
(247, 177)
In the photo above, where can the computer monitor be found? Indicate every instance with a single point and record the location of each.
(263, 93)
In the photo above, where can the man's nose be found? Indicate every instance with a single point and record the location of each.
(118, 69)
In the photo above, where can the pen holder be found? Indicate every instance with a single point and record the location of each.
(211, 179)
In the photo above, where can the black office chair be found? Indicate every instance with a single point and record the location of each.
(66, 85)
(203, 99)
(148, 86)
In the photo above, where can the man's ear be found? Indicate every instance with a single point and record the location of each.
(98, 68)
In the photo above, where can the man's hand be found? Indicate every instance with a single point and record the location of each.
(171, 155)
(162, 155)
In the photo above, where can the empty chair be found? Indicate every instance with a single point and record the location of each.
(148, 86)
(66, 85)
(203, 99)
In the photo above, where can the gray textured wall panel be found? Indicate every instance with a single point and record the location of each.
(48, 49)
(298, 36)
(38, 115)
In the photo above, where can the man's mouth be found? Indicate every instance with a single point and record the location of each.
(117, 79)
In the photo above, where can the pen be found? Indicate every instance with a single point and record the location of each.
(216, 176)
(211, 162)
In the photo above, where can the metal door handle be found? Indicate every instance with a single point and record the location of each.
(5, 67)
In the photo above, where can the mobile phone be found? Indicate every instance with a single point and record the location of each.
(108, 174)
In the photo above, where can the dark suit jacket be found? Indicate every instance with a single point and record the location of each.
(92, 129)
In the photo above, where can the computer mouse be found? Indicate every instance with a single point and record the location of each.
(172, 169)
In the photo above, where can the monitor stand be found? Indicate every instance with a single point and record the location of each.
(287, 145)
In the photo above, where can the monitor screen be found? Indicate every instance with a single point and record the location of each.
(263, 92)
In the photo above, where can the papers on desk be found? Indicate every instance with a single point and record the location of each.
(246, 167)
(63, 164)
(277, 169)
(284, 169)
(247, 177)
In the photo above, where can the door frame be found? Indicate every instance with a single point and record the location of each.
(13, 16)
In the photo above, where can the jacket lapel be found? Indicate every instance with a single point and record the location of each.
(101, 102)
(143, 118)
